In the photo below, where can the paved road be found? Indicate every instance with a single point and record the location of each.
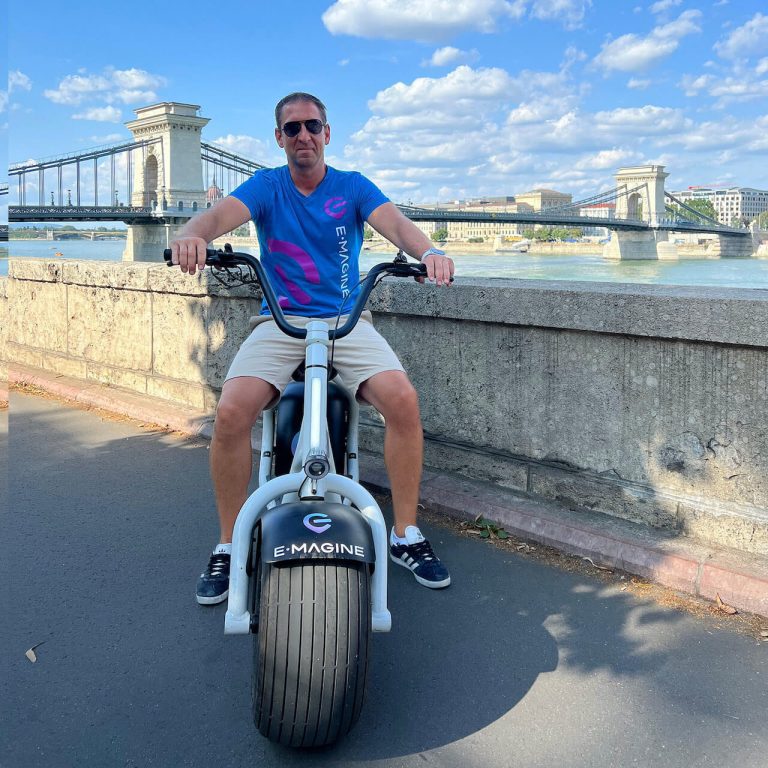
(516, 664)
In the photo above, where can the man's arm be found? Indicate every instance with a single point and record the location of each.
(388, 221)
(188, 249)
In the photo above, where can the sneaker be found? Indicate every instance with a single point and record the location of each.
(213, 584)
(418, 557)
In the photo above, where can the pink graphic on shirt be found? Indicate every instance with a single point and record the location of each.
(308, 268)
(335, 207)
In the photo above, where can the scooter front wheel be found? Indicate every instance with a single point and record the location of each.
(311, 652)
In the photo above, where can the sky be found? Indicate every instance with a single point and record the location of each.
(435, 100)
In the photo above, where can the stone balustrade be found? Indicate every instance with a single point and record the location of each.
(643, 402)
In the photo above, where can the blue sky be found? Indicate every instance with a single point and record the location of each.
(433, 99)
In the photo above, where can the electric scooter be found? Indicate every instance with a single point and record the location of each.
(308, 573)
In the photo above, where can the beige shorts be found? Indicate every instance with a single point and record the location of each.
(271, 355)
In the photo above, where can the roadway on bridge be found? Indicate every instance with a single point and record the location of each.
(517, 663)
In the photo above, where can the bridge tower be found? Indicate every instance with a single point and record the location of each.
(167, 177)
(641, 197)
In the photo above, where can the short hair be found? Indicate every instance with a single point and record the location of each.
(299, 96)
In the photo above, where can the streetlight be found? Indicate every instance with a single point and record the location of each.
(69, 197)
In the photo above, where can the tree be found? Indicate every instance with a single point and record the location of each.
(367, 233)
(703, 205)
(762, 220)
(440, 234)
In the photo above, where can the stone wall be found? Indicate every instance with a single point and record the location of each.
(141, 326)
(3, 339)
(644, 402)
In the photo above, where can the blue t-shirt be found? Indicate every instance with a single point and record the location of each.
(310, 246)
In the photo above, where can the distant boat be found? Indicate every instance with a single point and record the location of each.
(58, 253)
(521, 247)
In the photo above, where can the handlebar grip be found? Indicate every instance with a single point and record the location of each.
(212, 257)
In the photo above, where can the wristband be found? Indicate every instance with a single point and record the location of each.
(431, 252)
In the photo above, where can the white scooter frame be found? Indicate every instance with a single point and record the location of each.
(312, 452)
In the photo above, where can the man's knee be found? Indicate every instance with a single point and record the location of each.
(393, 395)
(241, 405)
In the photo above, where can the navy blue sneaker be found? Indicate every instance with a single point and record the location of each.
(213, 584)
(418, 557)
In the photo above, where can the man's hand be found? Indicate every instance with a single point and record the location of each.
(440, 269)
(189, 253)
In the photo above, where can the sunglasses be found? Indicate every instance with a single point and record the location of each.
(293, 129)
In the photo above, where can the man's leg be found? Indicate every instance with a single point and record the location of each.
(393, 396)
(242, 400)
(241, 403)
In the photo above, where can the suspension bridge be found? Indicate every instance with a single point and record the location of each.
(166, 174)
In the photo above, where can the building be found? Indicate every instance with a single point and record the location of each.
(733, 205)
(213, 193)
(487, 230)
(598, 211)
(542, 199)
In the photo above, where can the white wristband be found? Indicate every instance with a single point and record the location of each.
(431, 252)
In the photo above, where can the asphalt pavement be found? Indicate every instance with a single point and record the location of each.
(517, 663)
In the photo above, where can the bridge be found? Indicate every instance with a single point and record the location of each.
(167, 174)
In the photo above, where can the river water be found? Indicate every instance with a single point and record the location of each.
(737, 273)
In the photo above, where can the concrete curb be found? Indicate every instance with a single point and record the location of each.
(740, 579)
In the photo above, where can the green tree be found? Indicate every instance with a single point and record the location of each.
(762, 220)
(440, 234)
(703, 205)
(367, 233)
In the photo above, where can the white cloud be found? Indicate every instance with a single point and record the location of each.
(134, 79)
(136, 96)
(443, 57)
(100, 114)
(128, 86)
(647, 120)
(250, 147)
(694, 84)
(638, 84)
(738, 89)
(3, 101)
(418, 19)
(570, 12)
(463, 89)
(664, 5)
(18, 80)
(748, 40)
(762, 66)
(73, 89)
(607, 159)
(630, 53)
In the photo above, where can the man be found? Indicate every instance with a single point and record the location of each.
(310, 223)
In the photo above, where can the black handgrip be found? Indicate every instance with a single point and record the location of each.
(213, 258)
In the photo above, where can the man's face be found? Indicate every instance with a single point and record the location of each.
(305, 150)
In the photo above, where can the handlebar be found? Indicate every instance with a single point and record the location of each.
(221, 259)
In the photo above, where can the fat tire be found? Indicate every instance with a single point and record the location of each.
(311, 653)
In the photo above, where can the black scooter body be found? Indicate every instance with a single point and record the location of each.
(290, 410)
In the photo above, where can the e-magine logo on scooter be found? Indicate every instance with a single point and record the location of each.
(324, 548)
(317, 522)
